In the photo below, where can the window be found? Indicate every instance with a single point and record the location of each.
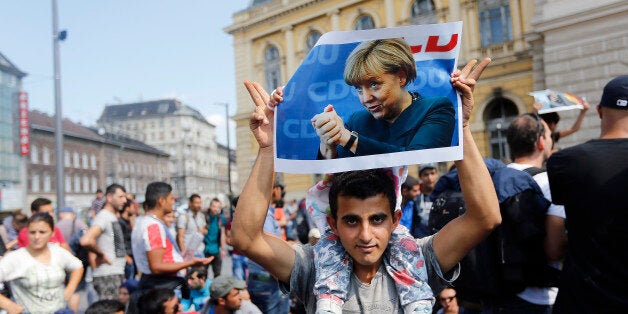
(311, 40)
(66, 158)
(109, 181)
(272, 67)
(85, 163)
(75, 160)
(47, 182)
(85, 184)
(94, 184)
(92, 160)
(132, 167)
(35, 183)
(34, 154)
(498, 115)
(423, 12)
(68, 184)
(77, 184)
(495, 23)
(45, 156)
(364, 22)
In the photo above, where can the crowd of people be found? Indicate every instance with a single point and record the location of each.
(376, 248)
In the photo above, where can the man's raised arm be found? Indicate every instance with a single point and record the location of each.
(462, 234)
(247, 234)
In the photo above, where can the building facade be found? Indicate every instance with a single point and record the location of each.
(197, 162)
(91, 159)
(578, 46)
(272, 37)
(11, 164)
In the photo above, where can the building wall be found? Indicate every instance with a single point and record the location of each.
(286, 24)
(9, 137)
(581, 46)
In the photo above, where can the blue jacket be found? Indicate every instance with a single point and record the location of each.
(426, 123)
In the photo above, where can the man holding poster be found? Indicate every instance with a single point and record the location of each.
(366, 240)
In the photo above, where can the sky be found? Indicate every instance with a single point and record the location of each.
(125, 51)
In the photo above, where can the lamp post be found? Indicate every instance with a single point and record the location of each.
(184, 186)
(226, 105)
(56, 38)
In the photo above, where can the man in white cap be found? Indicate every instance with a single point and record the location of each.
(590, 180)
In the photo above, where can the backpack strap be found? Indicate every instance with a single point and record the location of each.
(534, 171)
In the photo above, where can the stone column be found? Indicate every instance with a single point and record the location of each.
(290, 57)
(335, 19)
(389, 7)
(515, 16)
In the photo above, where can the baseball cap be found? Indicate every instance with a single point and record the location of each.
(222, 285)
(615, 93)
(66, 209)
(427, 166)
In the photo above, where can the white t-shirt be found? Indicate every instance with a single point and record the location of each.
(149, 234)
(36, 286)
(191, 226)
(111, 242)
(542, 296)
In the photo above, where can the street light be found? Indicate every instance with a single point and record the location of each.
(226, 105)
(56, 38)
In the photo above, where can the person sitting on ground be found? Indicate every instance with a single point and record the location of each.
(159, 301)
(226, 297)
(37, 271)
(199, 288)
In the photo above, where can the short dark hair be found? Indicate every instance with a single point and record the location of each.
(215, 199)
(38, 202)
(550, 117)
(112, 188)
(42, 217)
(155, 191)
(409, 183)
(362, 185)
(193, 196)
(523, 133)
(105, 307)
(153, 301)
(201, 271)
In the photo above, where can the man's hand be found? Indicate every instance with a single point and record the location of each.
(261, 121)
(464, 81)
(15, 308)
(102, 259)
(129, 260)
(202, 260)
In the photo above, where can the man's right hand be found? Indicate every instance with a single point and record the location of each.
(202, 260)
(261, 121)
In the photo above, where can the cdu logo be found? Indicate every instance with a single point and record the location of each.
(622, 102)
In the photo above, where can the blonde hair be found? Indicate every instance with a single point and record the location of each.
(372, 58)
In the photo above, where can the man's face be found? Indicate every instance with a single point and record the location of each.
(233, 300)
(117, 200)
(277, 191)
(364, 227)
(168, 203)
(215, 207)
(429, 178)
(196, 204)
(172, 306)
(411, 193)
(447, 299)
(47, 209)
(99, 195)
(195, 282)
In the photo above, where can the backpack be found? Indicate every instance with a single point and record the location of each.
(75, 245)
(513, 256)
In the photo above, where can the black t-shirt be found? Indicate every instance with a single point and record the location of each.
(591, 180)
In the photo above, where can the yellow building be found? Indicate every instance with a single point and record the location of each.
(272, 37)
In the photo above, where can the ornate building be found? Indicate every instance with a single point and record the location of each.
(272, 37)
(198, 164)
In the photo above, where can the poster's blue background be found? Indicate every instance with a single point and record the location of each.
(319, 82)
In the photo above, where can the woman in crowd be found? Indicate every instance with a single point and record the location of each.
(37, 271)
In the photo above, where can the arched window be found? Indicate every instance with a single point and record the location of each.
(364, 22)
(272, 67)
(311, 40)
(495, 23)
(47, 182)
(35, 183)
(423, 12)
(498, 115)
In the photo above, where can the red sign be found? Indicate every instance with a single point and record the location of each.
(24, 138)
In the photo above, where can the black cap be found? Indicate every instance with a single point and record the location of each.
(616, 93)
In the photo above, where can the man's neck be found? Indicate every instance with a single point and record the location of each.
(157, 213)
(535, 160)
(108, 207)
(219, 309)
(366, 273)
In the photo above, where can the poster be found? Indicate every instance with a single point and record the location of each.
(553, 101)
(319, 81)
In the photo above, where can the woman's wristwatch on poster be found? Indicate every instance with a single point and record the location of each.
(354, 136)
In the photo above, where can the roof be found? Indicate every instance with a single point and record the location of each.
(8, 66)
(154, 108)
(44, 122)
(255, 3)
